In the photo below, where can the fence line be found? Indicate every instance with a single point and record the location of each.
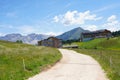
(102, 56)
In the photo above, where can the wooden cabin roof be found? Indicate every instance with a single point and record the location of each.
(96, 32)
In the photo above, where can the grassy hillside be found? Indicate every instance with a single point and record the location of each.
(106, 52)
(20, 61)
(103, 43)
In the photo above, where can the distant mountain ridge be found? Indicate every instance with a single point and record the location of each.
(33, 38)
(73, 34)
(29, 39)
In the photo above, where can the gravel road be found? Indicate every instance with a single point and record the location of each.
(73, 66)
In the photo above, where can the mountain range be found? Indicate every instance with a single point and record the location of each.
(34, 38)
(29, 39)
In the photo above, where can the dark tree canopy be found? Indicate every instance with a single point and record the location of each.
(116, 33)
(19, 41)
(70, 41)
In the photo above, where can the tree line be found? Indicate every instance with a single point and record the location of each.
(19, 41)
(116, 33)
(70, 41)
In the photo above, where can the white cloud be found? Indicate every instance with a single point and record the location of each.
(102, 9)
(56, 19)
(112, 18)
(91, 27)
(2, 34)
(107, 7)
(75, 18)
(112, 23)
(26, 29)
(53, 33)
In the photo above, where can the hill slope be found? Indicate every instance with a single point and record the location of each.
(20, 61)
(72, 34)
(103, 43)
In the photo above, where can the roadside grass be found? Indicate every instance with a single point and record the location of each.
(89, 44)
(108, 59)
(106, 52)
(21, 61)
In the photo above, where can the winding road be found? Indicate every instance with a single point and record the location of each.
(73, 66)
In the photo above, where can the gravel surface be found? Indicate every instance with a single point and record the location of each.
(73, 66)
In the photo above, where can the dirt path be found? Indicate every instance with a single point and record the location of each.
(73, 66)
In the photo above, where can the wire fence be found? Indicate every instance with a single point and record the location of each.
(112, 59)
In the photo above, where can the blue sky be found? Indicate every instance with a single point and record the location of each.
(57, 16)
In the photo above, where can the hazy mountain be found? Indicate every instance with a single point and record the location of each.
(72, 34)
(34, 38)
(30, 38)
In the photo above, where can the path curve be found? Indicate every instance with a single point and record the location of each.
(73, 66)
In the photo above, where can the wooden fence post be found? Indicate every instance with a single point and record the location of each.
(101, 54)
(23, 64)
(110, 61)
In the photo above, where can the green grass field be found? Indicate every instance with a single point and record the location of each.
(106, 52)
(103, 43)
(20, 61)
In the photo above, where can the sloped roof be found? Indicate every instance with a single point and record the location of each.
(53, 38)
(95, 32)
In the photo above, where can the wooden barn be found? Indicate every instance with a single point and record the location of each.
(51, 42)
(95, 34)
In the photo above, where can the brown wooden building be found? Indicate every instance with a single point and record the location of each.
(51, 42)
(96, 34)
